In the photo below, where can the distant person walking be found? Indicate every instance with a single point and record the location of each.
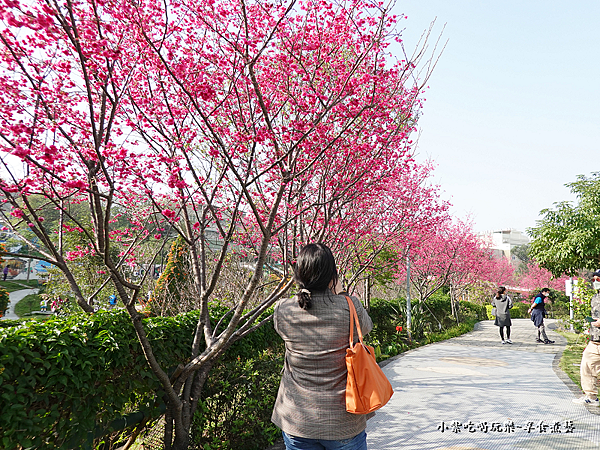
(538, 312)
(503, 303)
(5, 272)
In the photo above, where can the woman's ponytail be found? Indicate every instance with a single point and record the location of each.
(304, 299)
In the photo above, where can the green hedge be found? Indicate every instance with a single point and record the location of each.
(62, 378)
(472, 311)
(9, 323)
(518, 311)
(434, 316)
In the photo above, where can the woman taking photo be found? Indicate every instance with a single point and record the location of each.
(503, 304)
(311, 403)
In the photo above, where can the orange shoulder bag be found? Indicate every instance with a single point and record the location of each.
(367, 388)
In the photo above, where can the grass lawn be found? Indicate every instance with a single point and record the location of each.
(29, 304)
(571, 357)
(12, 286)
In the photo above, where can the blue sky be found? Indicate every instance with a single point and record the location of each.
(512, 112)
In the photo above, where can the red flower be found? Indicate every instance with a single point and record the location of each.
(398, 328)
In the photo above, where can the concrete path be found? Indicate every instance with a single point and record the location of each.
(473, 393)
(468, 392)
(15, 297)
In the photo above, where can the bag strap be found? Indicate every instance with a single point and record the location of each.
(353, 319)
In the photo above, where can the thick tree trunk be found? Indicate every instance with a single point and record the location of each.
(178, 426)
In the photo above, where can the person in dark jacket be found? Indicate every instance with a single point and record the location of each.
(503, 303)
(538, 312)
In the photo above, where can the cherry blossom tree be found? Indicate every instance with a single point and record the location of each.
(536, 277)
(451, 255)
(490, 273)
(246, 128)
(372, 225)
(449, 252)
(499, 272)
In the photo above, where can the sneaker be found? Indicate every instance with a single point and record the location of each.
(508, 341)
(548, 341)
(503, 342)
(585, 400)
(539, 340)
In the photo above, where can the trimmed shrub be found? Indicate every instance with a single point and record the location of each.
(472, 311)
(62, 378)
(518, 311)
(8, 323)
(386, 317)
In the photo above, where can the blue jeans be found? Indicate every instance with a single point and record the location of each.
(358, 442)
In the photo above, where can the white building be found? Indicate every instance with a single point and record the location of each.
(503, 241)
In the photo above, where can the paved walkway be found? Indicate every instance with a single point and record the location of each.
(473, 383)
(15, 297)
(466, 382)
